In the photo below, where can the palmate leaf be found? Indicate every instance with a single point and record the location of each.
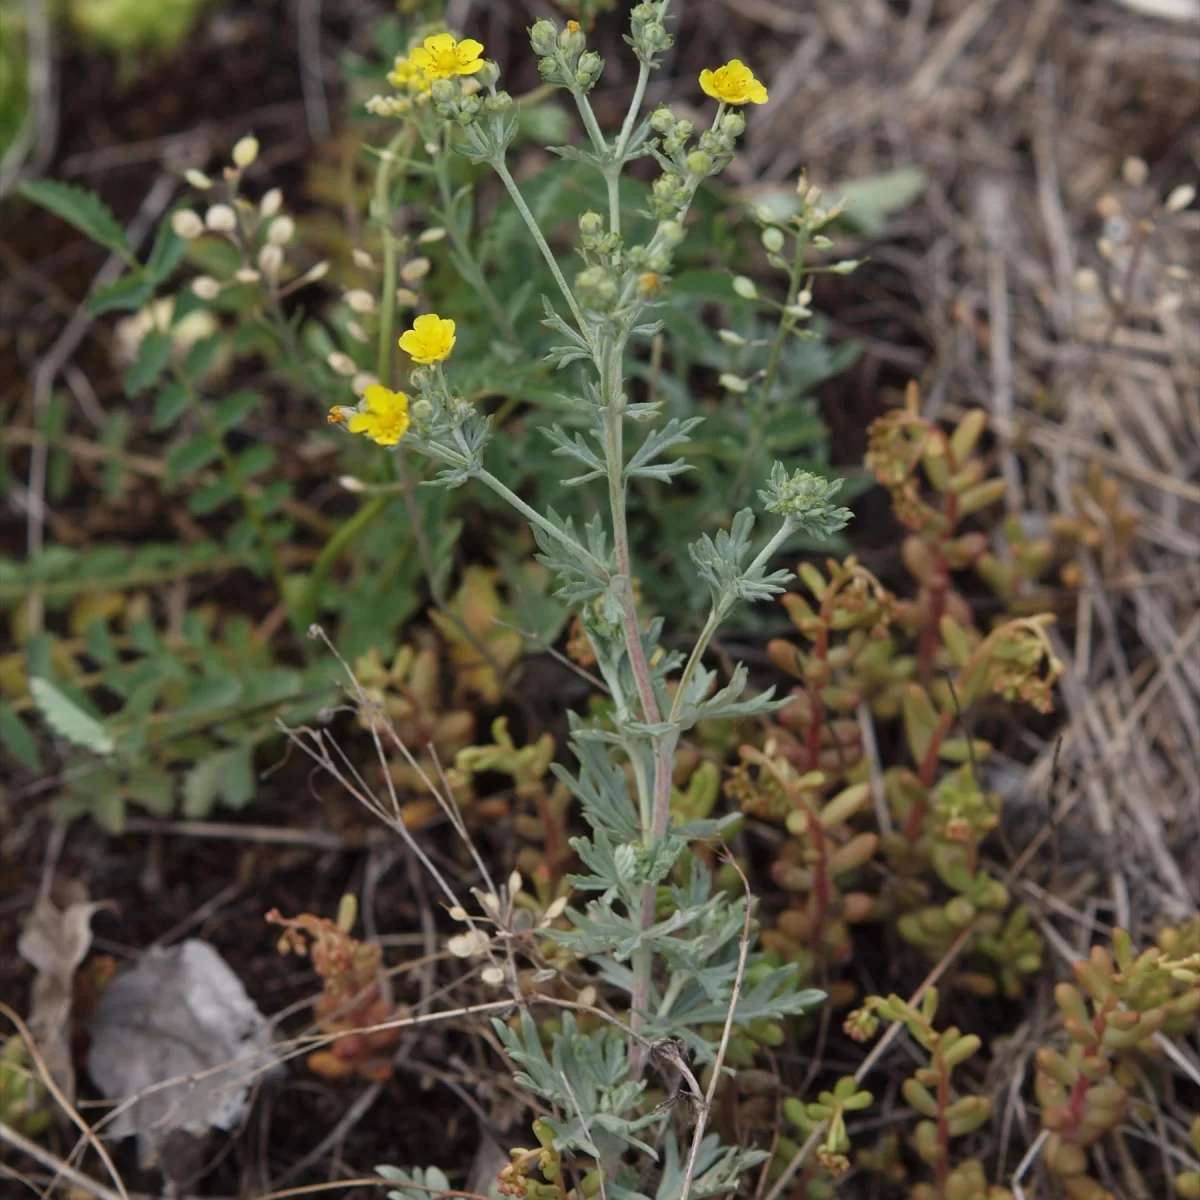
(68, 720)
(81, 208)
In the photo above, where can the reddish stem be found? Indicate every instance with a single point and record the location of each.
(1081, 1086)
(820, 888)
(926, 772)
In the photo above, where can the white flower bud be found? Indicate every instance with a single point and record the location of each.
(514, 883)
(271, 202)
(197, 179)
(317, 272)
(464, 945)
(415, 270)
(341, 363)
(1180, 198)
(845, 267)
(245, 151)
(270, 259)
(360, 301)
(407, 298)
(734, 383)
(457, 913)
(1134, 171)
(187, 224)
(743, 285)
(432, 235)
(730, 338)
(281, 231)
(246, 275)
(362, 259)
(555, 910)
(492, 976)
(356, 331)
(206, 287)
(221, 219)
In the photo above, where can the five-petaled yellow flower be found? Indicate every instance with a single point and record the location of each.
(430, 340)
(734, 83)
(443, 56)
(386, 418)
(407, 76)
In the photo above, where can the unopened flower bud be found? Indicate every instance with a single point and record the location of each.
(699, 163)
(435, 234)
(197, 179)
(206, 287)
(844, 267)
(360, 301)
(444, 91)
(246, 275)
(1134, 171)
(730, 338)
(733, 125)
(670, 233)
(356, 331)
(543, 37)
(415, 270)
(662, 119)
(500, 102)
(341, 363)
(591, 224)
(772, 239)
(488, 75)
(245, 151)
(407, 298)
(743, 285)
(589, 68)
(362, 259)
(734, 383)
(571, 39)
(270, 259)
(186, 224)
(281, 231)
(271, 202)
(1180, 198)
(221, 219)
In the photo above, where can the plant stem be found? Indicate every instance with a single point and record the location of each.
(612, 173)
(349, 531)
(469, 266)
(758, 416)
(502, 170)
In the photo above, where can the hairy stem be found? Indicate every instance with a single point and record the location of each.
(530, 220)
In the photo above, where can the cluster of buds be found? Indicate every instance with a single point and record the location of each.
(351, 998)
(687, 164)
(515, 1177)
(563, 57)
(828, 1113)
(261, 232)
(1118, 1004)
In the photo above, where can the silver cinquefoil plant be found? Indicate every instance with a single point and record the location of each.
(653, 927)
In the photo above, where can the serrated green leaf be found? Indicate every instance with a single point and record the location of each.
(127, 294)
(166, 253)
(154, 351)
(208, 497)
(235, 408)
(153, 788)
(81, 208)
(191, 455)
(255, 460)
(169, 405)
(202, 358)
(273, 495)
(17, 739)
(227, 775)
(68, 720)
(211, 692)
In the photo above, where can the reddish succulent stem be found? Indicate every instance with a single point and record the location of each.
(1082, 1085)
(820, 888)
(941, 1169)
(926, 772)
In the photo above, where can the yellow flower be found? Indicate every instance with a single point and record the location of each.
(386, 419)
(734, 83)
(430, 340)
(406, 76)
(443, 56)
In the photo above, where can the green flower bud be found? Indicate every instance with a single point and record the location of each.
(743, 285)
(589, 68)
(699, 163)
(498, 103)
(488, 75)
(571, 39)
(733, 125)
(543, 38)
(772, 239)
(670, 233)
(662, 119)
(444, 91)
(591, 224)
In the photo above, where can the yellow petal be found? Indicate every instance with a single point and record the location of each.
(420, 58)
(468, 49)
(378, 398)
(362, 423)
(440, 43)
(708, 85)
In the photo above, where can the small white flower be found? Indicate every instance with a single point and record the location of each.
(432, 235)
(271, 202)
(187, 224)
(281, 231)
(270, 259)
(206, 287)
(197, 179)
(360, 301)
(246, 275)
(221, 219)
(1134, 171)
(1180, 198)
(492, 976)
